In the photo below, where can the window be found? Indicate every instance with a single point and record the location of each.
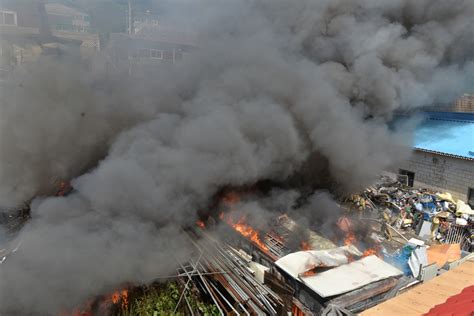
(178, 55)
(8, 18)
(168, 55)
(470, 197)
(144, 53)
(406, 177)
(156, 53)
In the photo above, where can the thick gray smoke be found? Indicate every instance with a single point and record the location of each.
(271, 84)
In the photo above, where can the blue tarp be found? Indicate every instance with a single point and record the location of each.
(448, 133)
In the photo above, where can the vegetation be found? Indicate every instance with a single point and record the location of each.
(162, 301)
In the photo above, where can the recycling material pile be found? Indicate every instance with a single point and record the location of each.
(434, 216)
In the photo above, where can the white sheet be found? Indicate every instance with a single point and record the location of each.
(350, 276)
(299, 262)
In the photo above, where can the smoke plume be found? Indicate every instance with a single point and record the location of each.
(271, 85)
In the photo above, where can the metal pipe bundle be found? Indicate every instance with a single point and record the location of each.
(223, 274)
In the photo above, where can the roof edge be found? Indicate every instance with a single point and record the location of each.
(451, 116)
(444, 154)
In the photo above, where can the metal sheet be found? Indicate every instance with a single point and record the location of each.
(418, 257)
(350, 276)
(299, 262)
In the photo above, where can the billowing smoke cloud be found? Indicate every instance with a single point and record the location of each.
(272, 84)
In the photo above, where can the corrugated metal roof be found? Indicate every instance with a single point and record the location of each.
(450, 134)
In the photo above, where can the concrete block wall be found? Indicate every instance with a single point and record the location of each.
(441, 173)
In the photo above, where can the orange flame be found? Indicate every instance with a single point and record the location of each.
(305, 246)
(117, 297)
(369, 252)
(308, 273)
(350, 239)
(201, 224)
(246, 230)
(120, 296)
(231, 198)
(310, 270)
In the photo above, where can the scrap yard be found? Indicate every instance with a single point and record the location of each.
(250, 158)
(389, 241)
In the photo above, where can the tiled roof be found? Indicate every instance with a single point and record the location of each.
(460, 304)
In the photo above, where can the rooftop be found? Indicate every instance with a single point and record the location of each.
(419, 300)
(447, 133)
(60, 9)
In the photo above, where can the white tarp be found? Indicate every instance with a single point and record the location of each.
(350, 276)
(463, 208)
(297, 263)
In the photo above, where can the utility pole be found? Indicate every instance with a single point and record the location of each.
(130, 29)
(130, 20)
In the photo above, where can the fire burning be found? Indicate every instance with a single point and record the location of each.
(120, 297)
(231, 198)
(240, 225)
(201, 224)
(350, 239)
(245, 230)
(304, 245)
(370, 251)
(309, 273)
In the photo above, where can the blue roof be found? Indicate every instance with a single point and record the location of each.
(447, 133)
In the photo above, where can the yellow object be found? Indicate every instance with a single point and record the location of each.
(445, 197)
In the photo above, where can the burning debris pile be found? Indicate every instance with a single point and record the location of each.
(292, 270)
(432, 216)
(319, 274)
(110, 304)
(302, 95)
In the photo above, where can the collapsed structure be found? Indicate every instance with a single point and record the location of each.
(291, 269)
(301, 88)
(320, 277)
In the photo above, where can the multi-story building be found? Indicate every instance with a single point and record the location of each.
(72, 24)
(23, 31)
(64, 18)
(150, 45)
